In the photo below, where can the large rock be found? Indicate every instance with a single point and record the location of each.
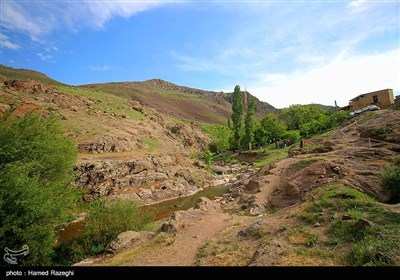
(129, 239)
(182, 219)
(220, 170)
(257, 210)
(253, 186)
(206, 205)
(145, 194)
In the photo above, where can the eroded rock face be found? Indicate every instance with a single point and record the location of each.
(129, 239)
(153, 178)
(111, 144)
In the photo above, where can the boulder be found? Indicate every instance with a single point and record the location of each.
(247, 199)
(168, 228)
(220, 170)
(137, 106)
(257, 210)
(253, 186)
(129, 239)
(252, 231)
(145, 194)
(206, 205)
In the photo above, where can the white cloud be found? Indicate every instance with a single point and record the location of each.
(16, 17)
(101, 12)
(342, 79)
(5, 42)
(45, 16)
(45, 57)
(99, 68)
(357, 6)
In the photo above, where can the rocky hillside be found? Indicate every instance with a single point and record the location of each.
(125, 148)
(322, 205)
(180, 101)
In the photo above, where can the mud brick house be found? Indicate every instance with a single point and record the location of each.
(382, 98)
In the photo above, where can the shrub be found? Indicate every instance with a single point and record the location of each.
(391, 180)
(36, 162)
(105, 221)
(208, 157)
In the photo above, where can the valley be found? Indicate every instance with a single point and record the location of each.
(321, 204)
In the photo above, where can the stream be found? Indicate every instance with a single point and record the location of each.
(160, 210)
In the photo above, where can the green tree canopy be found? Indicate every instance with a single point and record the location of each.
(249, 124)
(36, 167)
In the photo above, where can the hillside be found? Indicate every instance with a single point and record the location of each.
(125, 148)
(10, 73)
(180, 101)
(321, 206)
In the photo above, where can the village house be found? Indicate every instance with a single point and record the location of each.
(382, 98)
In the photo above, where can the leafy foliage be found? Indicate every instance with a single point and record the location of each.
(105, 221)
(36, 163)
(391, 180)
(249, 123)
(220, 137)
(271, 127)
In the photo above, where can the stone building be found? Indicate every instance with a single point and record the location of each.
(381, 98)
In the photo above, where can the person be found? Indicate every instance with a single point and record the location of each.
(301, 144)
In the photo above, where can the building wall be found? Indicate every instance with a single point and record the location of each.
(385, 99)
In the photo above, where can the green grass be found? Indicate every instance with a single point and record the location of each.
(203, 250)
(302, 164)
(374, 243)
(104, 101)
(302, 236)
(176, 101)
(24, 74)
(270, 156)
(153, 145)
(382, 130)
(367, 116)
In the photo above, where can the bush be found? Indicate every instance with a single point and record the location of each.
(391, 180)
(36, 163)
(105, 221)
(208, 157)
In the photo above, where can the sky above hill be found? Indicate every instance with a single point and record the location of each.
(283, 52)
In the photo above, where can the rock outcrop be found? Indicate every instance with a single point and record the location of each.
(153, 178)
(129, 239)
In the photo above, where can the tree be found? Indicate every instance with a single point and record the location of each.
(273, 125)
(308, 119)
(237, 116)
(36, 168)
(249, 123)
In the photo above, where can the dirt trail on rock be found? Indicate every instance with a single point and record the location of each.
(273, 179)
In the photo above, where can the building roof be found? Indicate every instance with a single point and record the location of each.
(364, 94)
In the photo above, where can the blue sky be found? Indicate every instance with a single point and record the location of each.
(284, 52)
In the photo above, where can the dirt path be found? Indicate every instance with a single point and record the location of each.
(273, 179)
(183, 251)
